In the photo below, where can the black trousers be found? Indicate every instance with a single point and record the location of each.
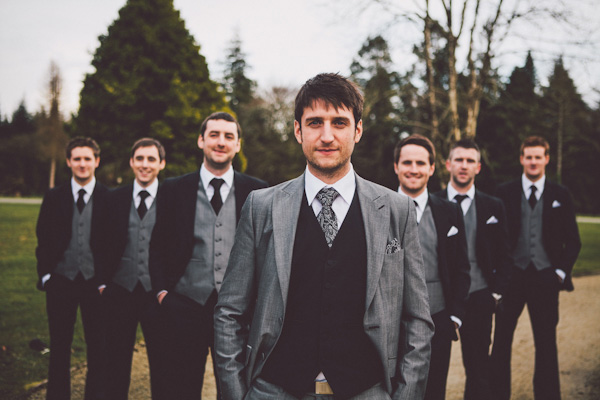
(475, 340)
(539, 290)
(125, 310)
(439, 364)
(63, 297)
(190, 335)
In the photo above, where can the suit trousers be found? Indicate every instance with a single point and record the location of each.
(263, 390)
(539, 290)
(63, 297)
(127, 309)
(439, 364)
(190, 335)
(475, 340)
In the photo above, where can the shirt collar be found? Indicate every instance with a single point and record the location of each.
(422, 199)
(539, 185)
(206, 176)
(89, 188)
(346, 186)
(152, 189)
(453, 192)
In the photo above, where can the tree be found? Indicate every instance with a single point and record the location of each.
(52, 138)
(373, 157)
(149, 80)
(574, 144)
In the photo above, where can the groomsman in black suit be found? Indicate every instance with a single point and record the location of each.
(444, 248)
(544, 242)
(126, 289)
(487, 244)
(69, 232)
(197, 215)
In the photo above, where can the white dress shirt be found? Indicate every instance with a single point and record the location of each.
(466, 203)
(152, 189)
(89, 189)
(345, 187)
(420, 202)
(206, 176)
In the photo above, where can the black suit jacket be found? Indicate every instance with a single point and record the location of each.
(453, 260)
(172, 240)
(54, 227)
(116, 231)
(560, 233)
(491, 242)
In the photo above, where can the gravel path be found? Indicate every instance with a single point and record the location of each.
(578, 344)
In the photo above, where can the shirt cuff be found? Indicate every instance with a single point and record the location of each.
(457, 320)
(45, 279)
(161, 292)
(497, 296)
(101, 287)
(562, 274)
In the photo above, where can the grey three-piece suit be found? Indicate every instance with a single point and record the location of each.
(252, 303)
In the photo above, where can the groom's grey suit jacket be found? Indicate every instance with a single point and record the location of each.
(252, 303)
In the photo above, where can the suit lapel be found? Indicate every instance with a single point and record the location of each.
(189, 196)
(376, 217)
(286, 209)
(548, 196)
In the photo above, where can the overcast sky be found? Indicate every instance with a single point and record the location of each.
(286, 42)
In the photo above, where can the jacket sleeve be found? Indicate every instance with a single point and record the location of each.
(416, 328)
(234, 309)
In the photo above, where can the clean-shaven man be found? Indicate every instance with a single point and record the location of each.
(324, 296)
(69, 232)
(197, 215)
(443, 244)
(127, 291)
(489, 258)
(544, 242)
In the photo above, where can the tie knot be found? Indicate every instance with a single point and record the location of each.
(460, 197)
(81, 192)
(143, 194)
(326, 196)
(533, 189)
(217, 183)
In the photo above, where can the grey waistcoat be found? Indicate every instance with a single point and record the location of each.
(78, 255)
(478, 281)
(530, 248)
(213, 240)
(429, 242)
(134, 262)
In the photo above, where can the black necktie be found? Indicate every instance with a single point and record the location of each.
(142, 209)
(460, 197)
(532, 198)
(81, 201)
(326, 217)
(216, 200)
(416, 209)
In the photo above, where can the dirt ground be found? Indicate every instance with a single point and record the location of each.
(578, 345)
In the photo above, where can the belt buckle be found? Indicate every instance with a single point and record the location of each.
(323, 388)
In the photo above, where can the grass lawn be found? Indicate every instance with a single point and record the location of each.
(588, 262)
(22, 306)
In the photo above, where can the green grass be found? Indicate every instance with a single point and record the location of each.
(22, 306)
(588, 262)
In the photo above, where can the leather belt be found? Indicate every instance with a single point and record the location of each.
(323, 388)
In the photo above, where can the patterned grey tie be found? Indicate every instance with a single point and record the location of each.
(326, 217)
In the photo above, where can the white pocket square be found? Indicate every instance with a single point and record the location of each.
(492, 220)
(453, 231)
(556, 204)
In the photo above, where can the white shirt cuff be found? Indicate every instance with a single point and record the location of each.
(45, 279)
(561, 274)
(161, 292)
(455, 319)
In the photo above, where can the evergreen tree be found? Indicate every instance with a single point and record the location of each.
(373, 156)
(574, 144)
(149, 80)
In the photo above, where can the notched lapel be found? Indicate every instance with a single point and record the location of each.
(376, 217)
(286, 209)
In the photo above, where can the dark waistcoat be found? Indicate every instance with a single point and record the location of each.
(323, 326)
